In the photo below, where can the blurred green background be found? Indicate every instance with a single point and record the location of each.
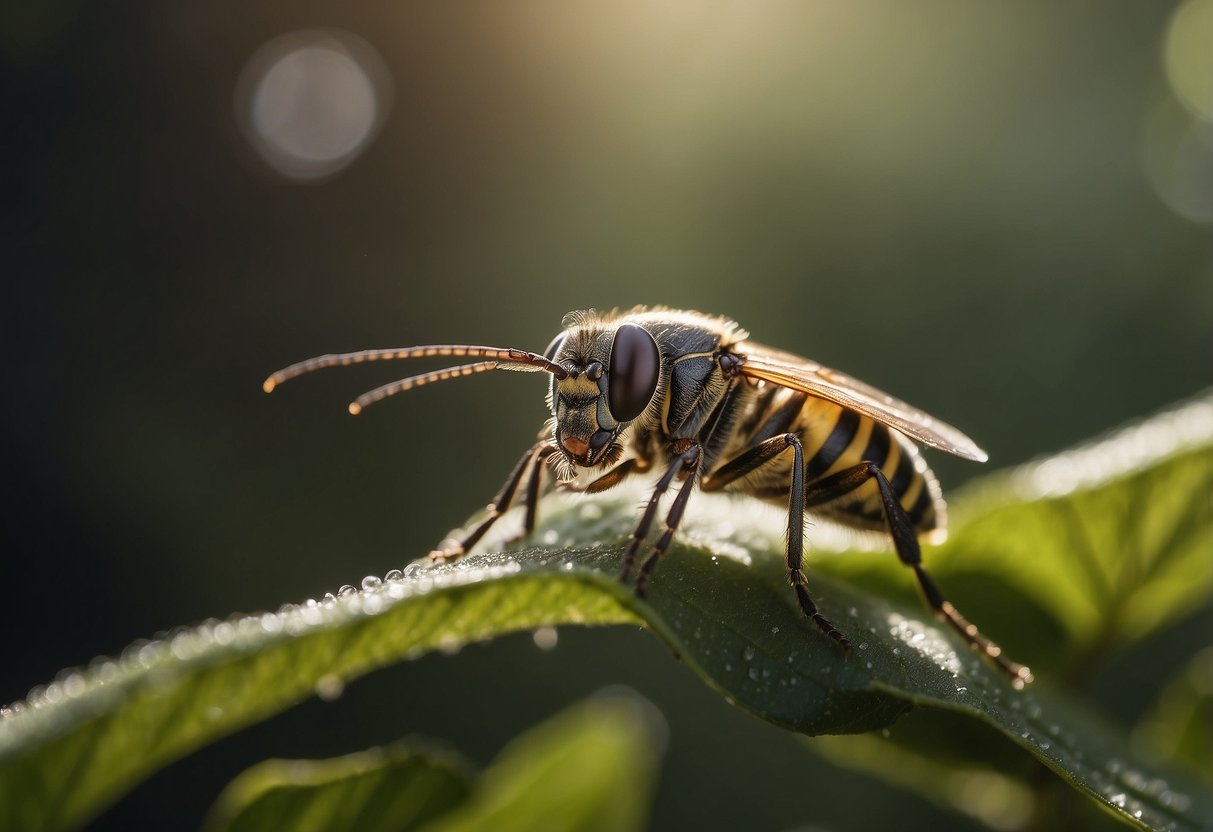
(1001, 213)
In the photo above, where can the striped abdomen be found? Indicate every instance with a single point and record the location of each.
(835, 439)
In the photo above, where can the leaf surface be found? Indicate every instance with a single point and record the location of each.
(719, 600)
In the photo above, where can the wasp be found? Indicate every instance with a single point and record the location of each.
(692, 398)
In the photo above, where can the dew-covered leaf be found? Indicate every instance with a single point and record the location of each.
(720, 600)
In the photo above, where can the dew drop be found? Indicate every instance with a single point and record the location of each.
(545, 638)
(329, 687)
(371, 582)
(346, 591)
(748, 652)
(774, 631)
(394, 575)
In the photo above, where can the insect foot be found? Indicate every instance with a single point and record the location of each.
(447, 554)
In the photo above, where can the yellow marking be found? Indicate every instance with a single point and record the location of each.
(852, 456)
(817, 421)
(269, 384)
(917, 484)
(355, 408)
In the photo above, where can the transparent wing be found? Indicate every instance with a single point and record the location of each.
(799, 373)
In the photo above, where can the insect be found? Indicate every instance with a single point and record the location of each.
(691, 396)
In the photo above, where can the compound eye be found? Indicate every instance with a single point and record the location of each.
(634, 367)
(554, 347)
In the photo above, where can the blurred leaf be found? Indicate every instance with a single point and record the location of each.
(983, 791)
(720, 600)
(590, 768)
(1112, 538)
(1179, 727)
(394, 789)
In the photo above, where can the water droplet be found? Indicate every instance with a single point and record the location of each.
(753, 674)
(896, 651)
(545, 638)
(748, 652)
(1118, 799)
(853, 612)
(394, 575)
(329, 687)
(411, 570)
(346, 591)
(774, 631)
(371, 582)
(74, 684)
(329, 598)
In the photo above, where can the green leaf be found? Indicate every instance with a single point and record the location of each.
(1179, 726)
(394, 789)
(1087, 551)
(1112, 539)
(589, 769)
(720, 601)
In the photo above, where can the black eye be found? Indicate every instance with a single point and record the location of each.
(635, 363)
(554, 347)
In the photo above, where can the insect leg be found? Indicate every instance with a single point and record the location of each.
(906, 543)
(534, 485)
(532, 459)
(750, 460)
(690, 459)
(650, 510)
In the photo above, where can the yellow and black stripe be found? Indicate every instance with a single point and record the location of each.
(835, 439)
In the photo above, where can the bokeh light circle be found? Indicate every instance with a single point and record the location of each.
(1189, 56)
(310, 102)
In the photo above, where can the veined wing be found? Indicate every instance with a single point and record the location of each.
(799, 373)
